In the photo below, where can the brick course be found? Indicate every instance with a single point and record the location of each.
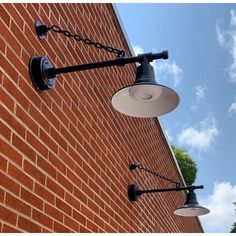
(64, 152)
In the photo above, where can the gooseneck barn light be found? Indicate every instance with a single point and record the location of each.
(144, 98)
(191, 206)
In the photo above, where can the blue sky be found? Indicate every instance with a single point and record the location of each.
(201, 40)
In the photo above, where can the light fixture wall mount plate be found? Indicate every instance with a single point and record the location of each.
(133, 192)
(38, 69)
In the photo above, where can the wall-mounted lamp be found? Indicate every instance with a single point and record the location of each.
(144, 98)
(191, 206)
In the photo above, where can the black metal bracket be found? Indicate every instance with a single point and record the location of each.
(41, 30)
(43, 73)
(134, 192)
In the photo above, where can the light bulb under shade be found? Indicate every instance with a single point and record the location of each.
(145, 100)
(191, 211)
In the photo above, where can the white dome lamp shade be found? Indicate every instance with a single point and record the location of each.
(191, 207)
(145, 98)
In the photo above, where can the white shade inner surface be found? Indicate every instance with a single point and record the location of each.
(145, 100)
(195, 211)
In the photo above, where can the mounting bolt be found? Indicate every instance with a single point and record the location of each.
(132, 166)
(41, 30)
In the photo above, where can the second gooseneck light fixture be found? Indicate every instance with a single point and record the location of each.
(191, 206)
(145, 98)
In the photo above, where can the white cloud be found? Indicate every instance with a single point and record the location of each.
(227, 39)
(220, 35)
(220, 203)
(163, 68)
(137, 50)
(232, 108)
(200, 94)
(166, 69)
(233, 17)
(169, 137)
(200, 91)
(199, 138)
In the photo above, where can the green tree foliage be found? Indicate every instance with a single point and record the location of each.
(186, 164)
(233, 229)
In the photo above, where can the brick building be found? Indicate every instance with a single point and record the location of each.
(64, 153)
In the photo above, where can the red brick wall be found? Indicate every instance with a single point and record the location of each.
(64, 152)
